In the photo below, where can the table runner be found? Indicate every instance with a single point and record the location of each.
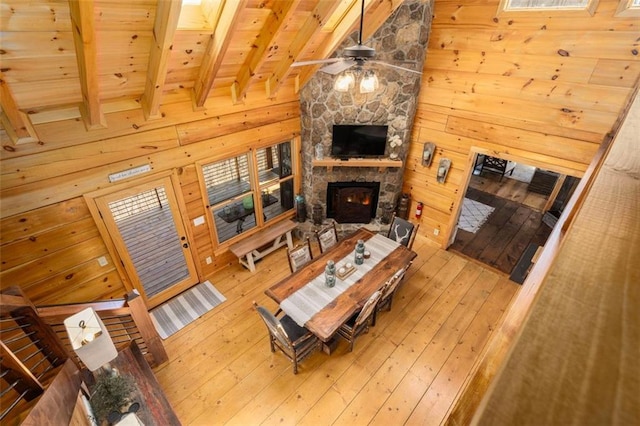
(314, 296)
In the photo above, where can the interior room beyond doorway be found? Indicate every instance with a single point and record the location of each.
(502, 213)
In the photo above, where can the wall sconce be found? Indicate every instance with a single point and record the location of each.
(443, 170)
(427, 153)
(90, 339)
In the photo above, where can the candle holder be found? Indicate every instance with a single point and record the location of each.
(359, 257)
(330, 274)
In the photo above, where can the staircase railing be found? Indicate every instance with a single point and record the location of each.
(34, 341)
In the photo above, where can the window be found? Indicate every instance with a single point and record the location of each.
(256, 183)
(548, 5)
(628, 8)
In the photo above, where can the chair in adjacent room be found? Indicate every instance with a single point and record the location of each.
(294, 341)
(327, 237)
(360, 322)
(300, 255)
(402, 231)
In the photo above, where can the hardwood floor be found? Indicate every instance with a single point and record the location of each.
(407, 370)
(510, 189)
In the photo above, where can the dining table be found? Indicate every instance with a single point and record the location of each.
(306, 298)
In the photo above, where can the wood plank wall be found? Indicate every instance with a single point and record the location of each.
(542, 88)
(50, 244)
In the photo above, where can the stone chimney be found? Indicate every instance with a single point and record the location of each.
(401, 40)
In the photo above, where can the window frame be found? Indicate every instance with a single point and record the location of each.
(255, 187)
(589, 9)
(626, 9)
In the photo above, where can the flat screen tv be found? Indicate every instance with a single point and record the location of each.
(358, 140)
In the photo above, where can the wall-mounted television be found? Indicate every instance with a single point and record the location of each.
(359, 140)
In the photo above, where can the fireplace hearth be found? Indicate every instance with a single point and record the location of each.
(352, 202)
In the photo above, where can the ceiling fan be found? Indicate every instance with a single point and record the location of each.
(355, 55)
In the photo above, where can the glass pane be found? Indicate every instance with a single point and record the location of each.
(147, 228)
(234, 218)
(226, 179)
(277, 198)
(547, 4)
(274, 162)
(284, 156)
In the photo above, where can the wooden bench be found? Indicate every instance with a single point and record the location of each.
(249, 248)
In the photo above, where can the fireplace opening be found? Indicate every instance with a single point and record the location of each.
(352, 202)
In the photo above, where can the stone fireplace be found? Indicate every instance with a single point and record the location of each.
(401, 40)
(352, 202)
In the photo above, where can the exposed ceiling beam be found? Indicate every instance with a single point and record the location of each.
(311, 28)
(84, 38)
(16, 123)
(376, 12)
(264, 44)
(218, 44)
(164, 29)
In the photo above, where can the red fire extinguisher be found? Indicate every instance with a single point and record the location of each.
(419, 210)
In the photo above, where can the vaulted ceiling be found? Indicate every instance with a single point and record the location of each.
(63, 58)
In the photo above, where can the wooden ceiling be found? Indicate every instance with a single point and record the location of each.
(61, 59)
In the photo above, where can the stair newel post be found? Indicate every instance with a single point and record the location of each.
(146, 328)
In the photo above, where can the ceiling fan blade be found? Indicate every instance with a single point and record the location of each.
(315, 62)
(386, 64)
(338, 67)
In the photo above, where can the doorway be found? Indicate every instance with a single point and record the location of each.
(149, 239)
(507, 211)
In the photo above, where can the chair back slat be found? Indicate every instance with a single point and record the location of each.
(327, 237)
(275, 327)
(402, 231)
(300, 255)
(368, 308)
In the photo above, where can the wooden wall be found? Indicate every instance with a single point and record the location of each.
(540, 88)
(50, 244)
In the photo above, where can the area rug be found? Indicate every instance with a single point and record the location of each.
(185, 308)
(474, 214)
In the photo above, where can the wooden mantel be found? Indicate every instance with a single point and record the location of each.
(380, 163)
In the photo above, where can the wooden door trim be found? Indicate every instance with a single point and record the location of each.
(468, 170)
(113, 246)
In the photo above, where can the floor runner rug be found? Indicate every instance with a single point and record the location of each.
(474, 214)
(185, 308)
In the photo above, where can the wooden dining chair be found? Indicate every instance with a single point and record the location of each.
(294, 341)
(359, 323)
(300, 255)
(388, 291)
(402, 231)
(327, 237)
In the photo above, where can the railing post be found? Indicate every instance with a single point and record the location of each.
(16, 372)
(146, 328)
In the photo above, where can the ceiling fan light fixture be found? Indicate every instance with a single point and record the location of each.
(369, 82)
(344, 82)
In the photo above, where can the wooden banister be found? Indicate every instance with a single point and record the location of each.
(18, 375)
(146, 328)
(127, 321)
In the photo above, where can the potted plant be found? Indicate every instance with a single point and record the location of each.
(109, 394)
